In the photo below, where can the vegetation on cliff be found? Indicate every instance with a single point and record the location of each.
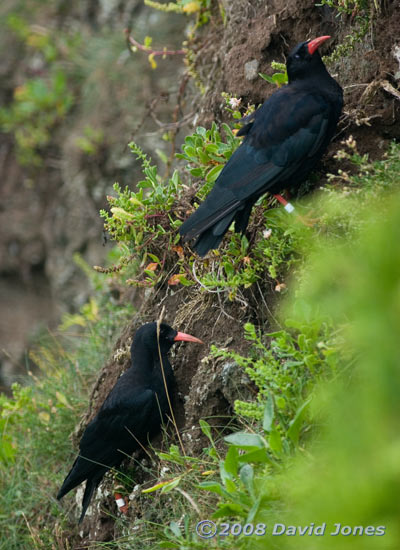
(308, 436)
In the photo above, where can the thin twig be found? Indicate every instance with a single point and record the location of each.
(267, 307)
(159, 320)
(189, 498)
(219, 290)
(222, 309)
(33, 535)
(139, 443)
(172, 125)
(132, 42)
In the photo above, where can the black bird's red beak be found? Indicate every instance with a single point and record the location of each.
(315, 44)
(182, 337)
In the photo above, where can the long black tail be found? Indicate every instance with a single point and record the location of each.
(71, 481)
(208, 224)
(91, 485)
(83, 469)
(211, 238)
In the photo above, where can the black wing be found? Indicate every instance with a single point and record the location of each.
(123, 413)
(285, 139)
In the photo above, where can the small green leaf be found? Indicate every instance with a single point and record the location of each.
(253, 510)
(259, 455)
(213, 174)
(213, 487)
(62, 399)
(280, 402)
(175, 529)
(231, 461)
(245, 440)
(212, 148)
(275, 441)
(203, 157)
(147, 41)
(121, 214)
(160, 485)
(230, 486)
(229, 269)
(267, 78)
(280, 79)
(190, 151)
(247, 477)
(196, 172)
(206, 429)
(295, 425)
(268, 413)
(171, 485)
(229, 509)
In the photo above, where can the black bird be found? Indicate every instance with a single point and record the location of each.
(284, 140)
(132, 412)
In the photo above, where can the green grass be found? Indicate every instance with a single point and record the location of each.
(36, 424)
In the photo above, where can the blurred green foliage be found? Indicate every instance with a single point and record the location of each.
(38, 106)
(352, 475)
(37, 420)
(41, 102)
(200, 8)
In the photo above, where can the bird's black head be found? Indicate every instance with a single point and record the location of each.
(146, 336)
(304, 60)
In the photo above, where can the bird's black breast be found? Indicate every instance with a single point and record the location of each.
(132, 413)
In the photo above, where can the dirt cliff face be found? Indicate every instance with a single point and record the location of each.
(230, 56)
(257, 34)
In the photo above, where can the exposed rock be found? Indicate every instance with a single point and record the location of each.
(251, 69)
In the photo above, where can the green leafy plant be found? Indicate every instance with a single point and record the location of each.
(285, 371)
(144, 222)
(280, 78)
(38, 418)
(38, 106)
(237, 492)
(201, 8)
(361, 13)
(206, 153)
